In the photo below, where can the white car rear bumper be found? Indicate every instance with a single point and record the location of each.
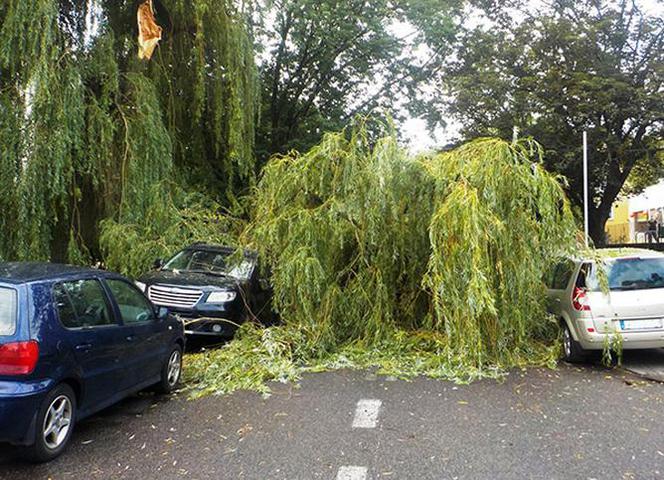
(630, 340)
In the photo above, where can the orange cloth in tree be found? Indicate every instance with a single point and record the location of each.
(149, 33)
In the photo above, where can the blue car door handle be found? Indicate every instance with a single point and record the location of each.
(131, 338)
(83, 347)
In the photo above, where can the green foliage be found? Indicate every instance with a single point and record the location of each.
(257, 356)
(88, 132)
(555, 70)
(208, 85)
(147, 156)
(175, 219)
(496, 207)
(254, 357)
(431, 265)
(647, 171)
(341, 229)
(324, 61)
(42, 128)
(28, 37)
(612, 352)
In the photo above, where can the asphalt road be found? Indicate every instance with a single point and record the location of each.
(575, 422)
(646, 363)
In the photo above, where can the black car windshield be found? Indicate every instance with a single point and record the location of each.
(210, 262)
(630, 274)
(7, 311)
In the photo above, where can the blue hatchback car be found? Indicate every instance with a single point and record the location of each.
(72, 342)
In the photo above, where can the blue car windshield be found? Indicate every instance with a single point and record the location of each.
(7, 311)
(210, 262)
(630, 274)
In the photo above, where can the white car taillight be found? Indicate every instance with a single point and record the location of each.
(580, 300)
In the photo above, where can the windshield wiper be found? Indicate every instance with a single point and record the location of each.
(649, 286)
(638, 285)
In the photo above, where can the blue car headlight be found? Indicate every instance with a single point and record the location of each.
(221, 297)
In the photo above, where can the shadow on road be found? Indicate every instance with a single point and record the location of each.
(198, 345)
(115, 415)
(645, 363)
(648, 364)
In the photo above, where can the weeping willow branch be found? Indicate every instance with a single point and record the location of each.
(87, 131)
(429, 265)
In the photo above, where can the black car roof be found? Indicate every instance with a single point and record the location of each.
(23, 272)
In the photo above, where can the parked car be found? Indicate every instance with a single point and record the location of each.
(212, 288)
(72, 342)
(633, 306)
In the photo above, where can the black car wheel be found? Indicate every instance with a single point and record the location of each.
(171, 371)
(55, 424)
(572, 350)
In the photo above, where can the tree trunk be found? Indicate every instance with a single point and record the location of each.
(597, 224)
(617, 177)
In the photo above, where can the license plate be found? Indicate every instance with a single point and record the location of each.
(641, 324)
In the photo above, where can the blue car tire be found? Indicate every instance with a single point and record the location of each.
(171, 371)
(54, 425)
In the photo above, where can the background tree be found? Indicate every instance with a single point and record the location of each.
(647, 171)
(323, 61)
(567, 67)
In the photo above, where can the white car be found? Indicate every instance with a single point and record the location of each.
(633, 307)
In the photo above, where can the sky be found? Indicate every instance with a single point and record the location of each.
(420, 139)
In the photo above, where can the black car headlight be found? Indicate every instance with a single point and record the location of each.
(221, 297)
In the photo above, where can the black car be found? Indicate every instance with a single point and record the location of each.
(212, 288)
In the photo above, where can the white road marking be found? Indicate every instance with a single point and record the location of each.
(352, 473)
(366, 413)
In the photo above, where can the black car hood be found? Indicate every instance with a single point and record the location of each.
(184, 278)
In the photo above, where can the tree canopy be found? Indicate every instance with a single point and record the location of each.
(89, 132)
(563, 68)
(324, 61)
(413, 264)
(94, 138)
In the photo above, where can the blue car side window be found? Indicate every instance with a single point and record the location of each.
(134, 307)
(82, 304)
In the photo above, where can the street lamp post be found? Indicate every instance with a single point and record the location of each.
(585, 187)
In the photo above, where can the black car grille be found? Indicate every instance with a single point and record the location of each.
(174, 296)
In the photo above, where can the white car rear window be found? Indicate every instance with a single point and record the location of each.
(631, 274)
(7, 311)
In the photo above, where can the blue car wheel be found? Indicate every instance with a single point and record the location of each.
(171, 371)
(55, 424)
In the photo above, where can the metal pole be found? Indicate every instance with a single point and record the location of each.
(585, 185)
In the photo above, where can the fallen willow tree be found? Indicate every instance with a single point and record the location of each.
(429, 265)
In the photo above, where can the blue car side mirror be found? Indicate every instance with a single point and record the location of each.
(162, 313)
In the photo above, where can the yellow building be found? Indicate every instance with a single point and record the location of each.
(617, 227)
